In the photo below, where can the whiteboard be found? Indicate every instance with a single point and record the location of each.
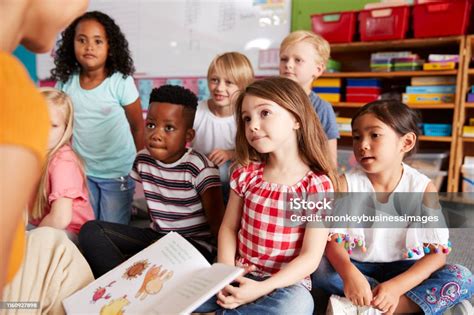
(179, 38)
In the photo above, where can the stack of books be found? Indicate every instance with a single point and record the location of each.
(328, 89)
(362, 90)
(441, 62)
(395, 61)
(430, 90)
(468, 131)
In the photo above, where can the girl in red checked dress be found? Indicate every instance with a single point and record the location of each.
(281, 150)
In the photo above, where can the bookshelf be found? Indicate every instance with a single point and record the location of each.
(393, 74)
(418, 106)
(465, 145)
(355, 61)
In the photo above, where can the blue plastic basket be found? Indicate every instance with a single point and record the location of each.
(437, 130)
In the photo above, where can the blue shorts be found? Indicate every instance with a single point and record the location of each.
(443, 289)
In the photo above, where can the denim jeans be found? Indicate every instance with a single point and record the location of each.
(443, 289)
(106, 245)
(112, 199)
(294, 299)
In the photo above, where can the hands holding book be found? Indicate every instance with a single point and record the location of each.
(242, 291)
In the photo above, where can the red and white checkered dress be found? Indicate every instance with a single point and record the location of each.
(266, 239)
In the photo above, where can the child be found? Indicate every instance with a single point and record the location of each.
(388, 269)
(281, 147)
(94, 67)
(182, 187)
(215, 126)
(62, 199)
(303, 58)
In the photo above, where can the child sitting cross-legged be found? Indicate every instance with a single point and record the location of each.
(398, 266)
(182, 188)
(281, 151)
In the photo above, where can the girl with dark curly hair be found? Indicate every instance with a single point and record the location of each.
(94, 67)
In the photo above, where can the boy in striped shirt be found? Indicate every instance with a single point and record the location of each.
(182, 187)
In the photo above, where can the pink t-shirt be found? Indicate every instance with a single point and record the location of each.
(67, 181)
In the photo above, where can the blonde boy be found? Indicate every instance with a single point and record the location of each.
(303, 58)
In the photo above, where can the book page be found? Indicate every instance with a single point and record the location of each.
(140, 282)
(189, 295)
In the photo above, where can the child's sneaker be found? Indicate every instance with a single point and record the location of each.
(462, 308)
(339, 305)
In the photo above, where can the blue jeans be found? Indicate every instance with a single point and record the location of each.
(443, 289)
(112, 199)
(295, 299)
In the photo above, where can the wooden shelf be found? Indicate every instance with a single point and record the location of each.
(390, 45)
(468, 139)
(345, 134)
(436, 139)
(422, 138)
(419, 106)
(469, 105)
(470, 71)
(392, 74)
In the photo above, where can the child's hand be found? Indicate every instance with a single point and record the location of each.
(386, 297)
(248, 291)
(357, 288)
(219, 157)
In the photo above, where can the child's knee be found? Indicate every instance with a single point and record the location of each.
(458, 278)
(89, 231)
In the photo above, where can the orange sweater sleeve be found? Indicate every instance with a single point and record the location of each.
(24, 117)
(24, 122)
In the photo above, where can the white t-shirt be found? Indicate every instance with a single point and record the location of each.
(389, 244)
(213, 132)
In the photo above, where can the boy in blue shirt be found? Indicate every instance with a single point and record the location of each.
(303, 58)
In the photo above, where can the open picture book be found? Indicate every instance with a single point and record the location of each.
(168, 277)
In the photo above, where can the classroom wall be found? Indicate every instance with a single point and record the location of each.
(302, 9)
(300, 20)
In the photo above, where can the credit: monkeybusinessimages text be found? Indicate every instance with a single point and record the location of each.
(364, 218)
(325, 205)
